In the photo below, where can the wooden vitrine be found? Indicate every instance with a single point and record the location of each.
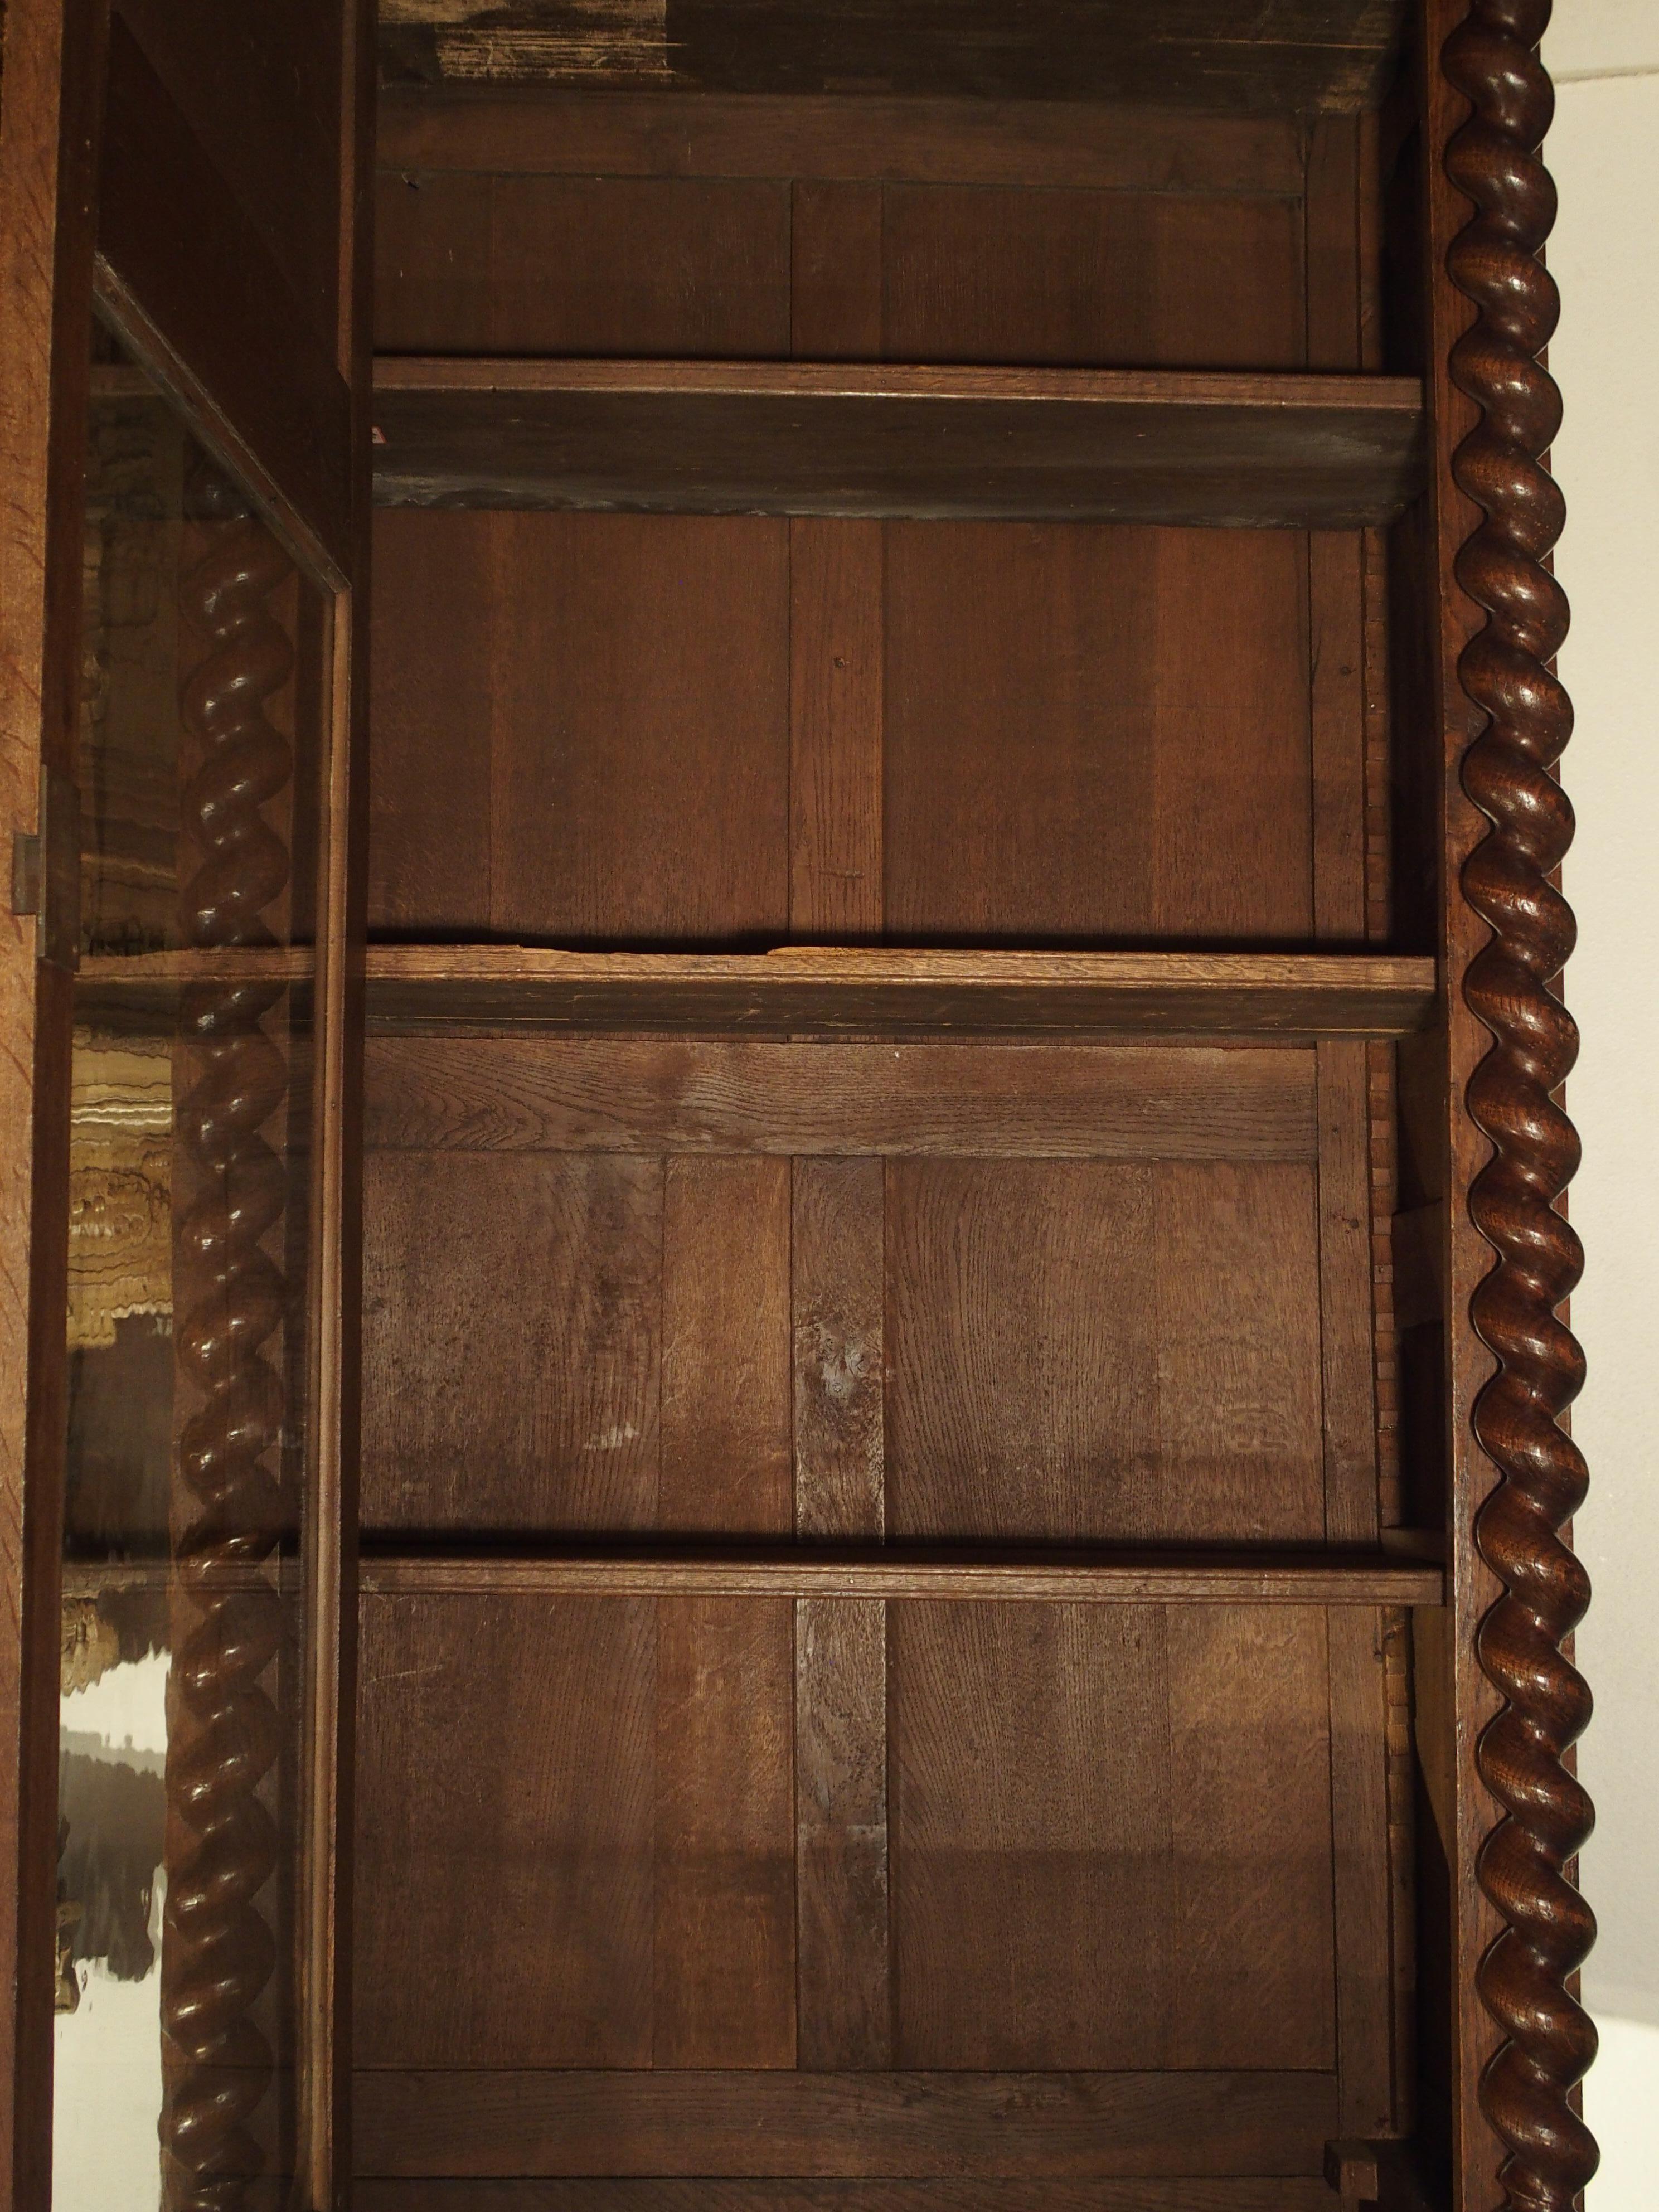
(817, 1370)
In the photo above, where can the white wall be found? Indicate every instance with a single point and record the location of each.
(1604, 151)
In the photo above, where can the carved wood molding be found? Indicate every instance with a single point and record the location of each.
(219, 1951)
(1505, 669)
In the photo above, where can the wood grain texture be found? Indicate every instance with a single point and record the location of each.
(725, 1893)
(1066, 760)
(827, 1100)
(512, 1307)
(1109, 1801)
(727, 1379)
(1284, 2193)
(1249, 1760)
(505, 1903)
(639, 794)
(869, 139)
(1346, 1320)
(836, 272)
(823, 991)
(837, 1268)
(434, 654)
(992, 1574)
(1362, 1843)
(693, 437)
(628, 683)
(49, 72)
(646, 266)
(1082, 1351)
(1091, 279)
(837, 592)
(1036, 2128)
(1317, 56)
(843, 1976)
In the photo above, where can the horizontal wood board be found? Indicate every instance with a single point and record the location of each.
(1238, 2193)
(1014, 444)
(1319, 55)
(1052, 2127)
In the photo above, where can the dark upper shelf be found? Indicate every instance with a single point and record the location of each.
(1297, 56)
(813, 438)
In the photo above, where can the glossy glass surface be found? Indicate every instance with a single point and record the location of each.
(190, 1447)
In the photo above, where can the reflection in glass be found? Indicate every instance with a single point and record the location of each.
(184, 1613)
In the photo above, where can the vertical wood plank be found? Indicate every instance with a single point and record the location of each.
(725, 1367)
(1344, 1293)
(1251, 1963)
(724, 1934)
(836, 631)
(1361, 1862)
(1337, 724)
(835, 271)
(842, 1981)
(724, 1928)
(837, 1267)
(1335, 312)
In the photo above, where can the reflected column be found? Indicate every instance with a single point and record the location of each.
(228, 1510)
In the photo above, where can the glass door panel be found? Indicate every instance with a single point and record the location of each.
(189, 1818)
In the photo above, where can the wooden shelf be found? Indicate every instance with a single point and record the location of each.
(1239, 1577)
(142, 991)
(807, 990)
(810, 438)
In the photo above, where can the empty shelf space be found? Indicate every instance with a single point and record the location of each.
(1397, 1575)
(810, 438)
(813, 990)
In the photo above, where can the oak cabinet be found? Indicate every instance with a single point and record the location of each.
(812, 1423)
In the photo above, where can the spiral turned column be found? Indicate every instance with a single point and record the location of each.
(218, 1952)
(1549, 2041)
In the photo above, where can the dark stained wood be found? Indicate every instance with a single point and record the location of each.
(1249, 1760)
(1512, 1823)
(693, 437)
(1091, 279)
(724, 1899)
(537, 1839)
(1293, 997)
(1039, 2127)
(1352, 1501)
(433, 656)
(49, 68)
(1086, 1351)
(1035, 1748)
(559, 1391)
(1095, 735)
(646, 265)
(1362, 1849)
(837, 1575)
(632, 797)
(186, 271)
(821, 1102)
(837, 592)
(836, 272)
(843, 1933)
(870, 139)
(1316, 56)
(1284, 2193)
(837, 1280)
(268, 87)
(726, 1376)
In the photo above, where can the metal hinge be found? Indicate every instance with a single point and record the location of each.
(45, 871)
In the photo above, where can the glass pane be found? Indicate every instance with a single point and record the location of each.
(190, 1452)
